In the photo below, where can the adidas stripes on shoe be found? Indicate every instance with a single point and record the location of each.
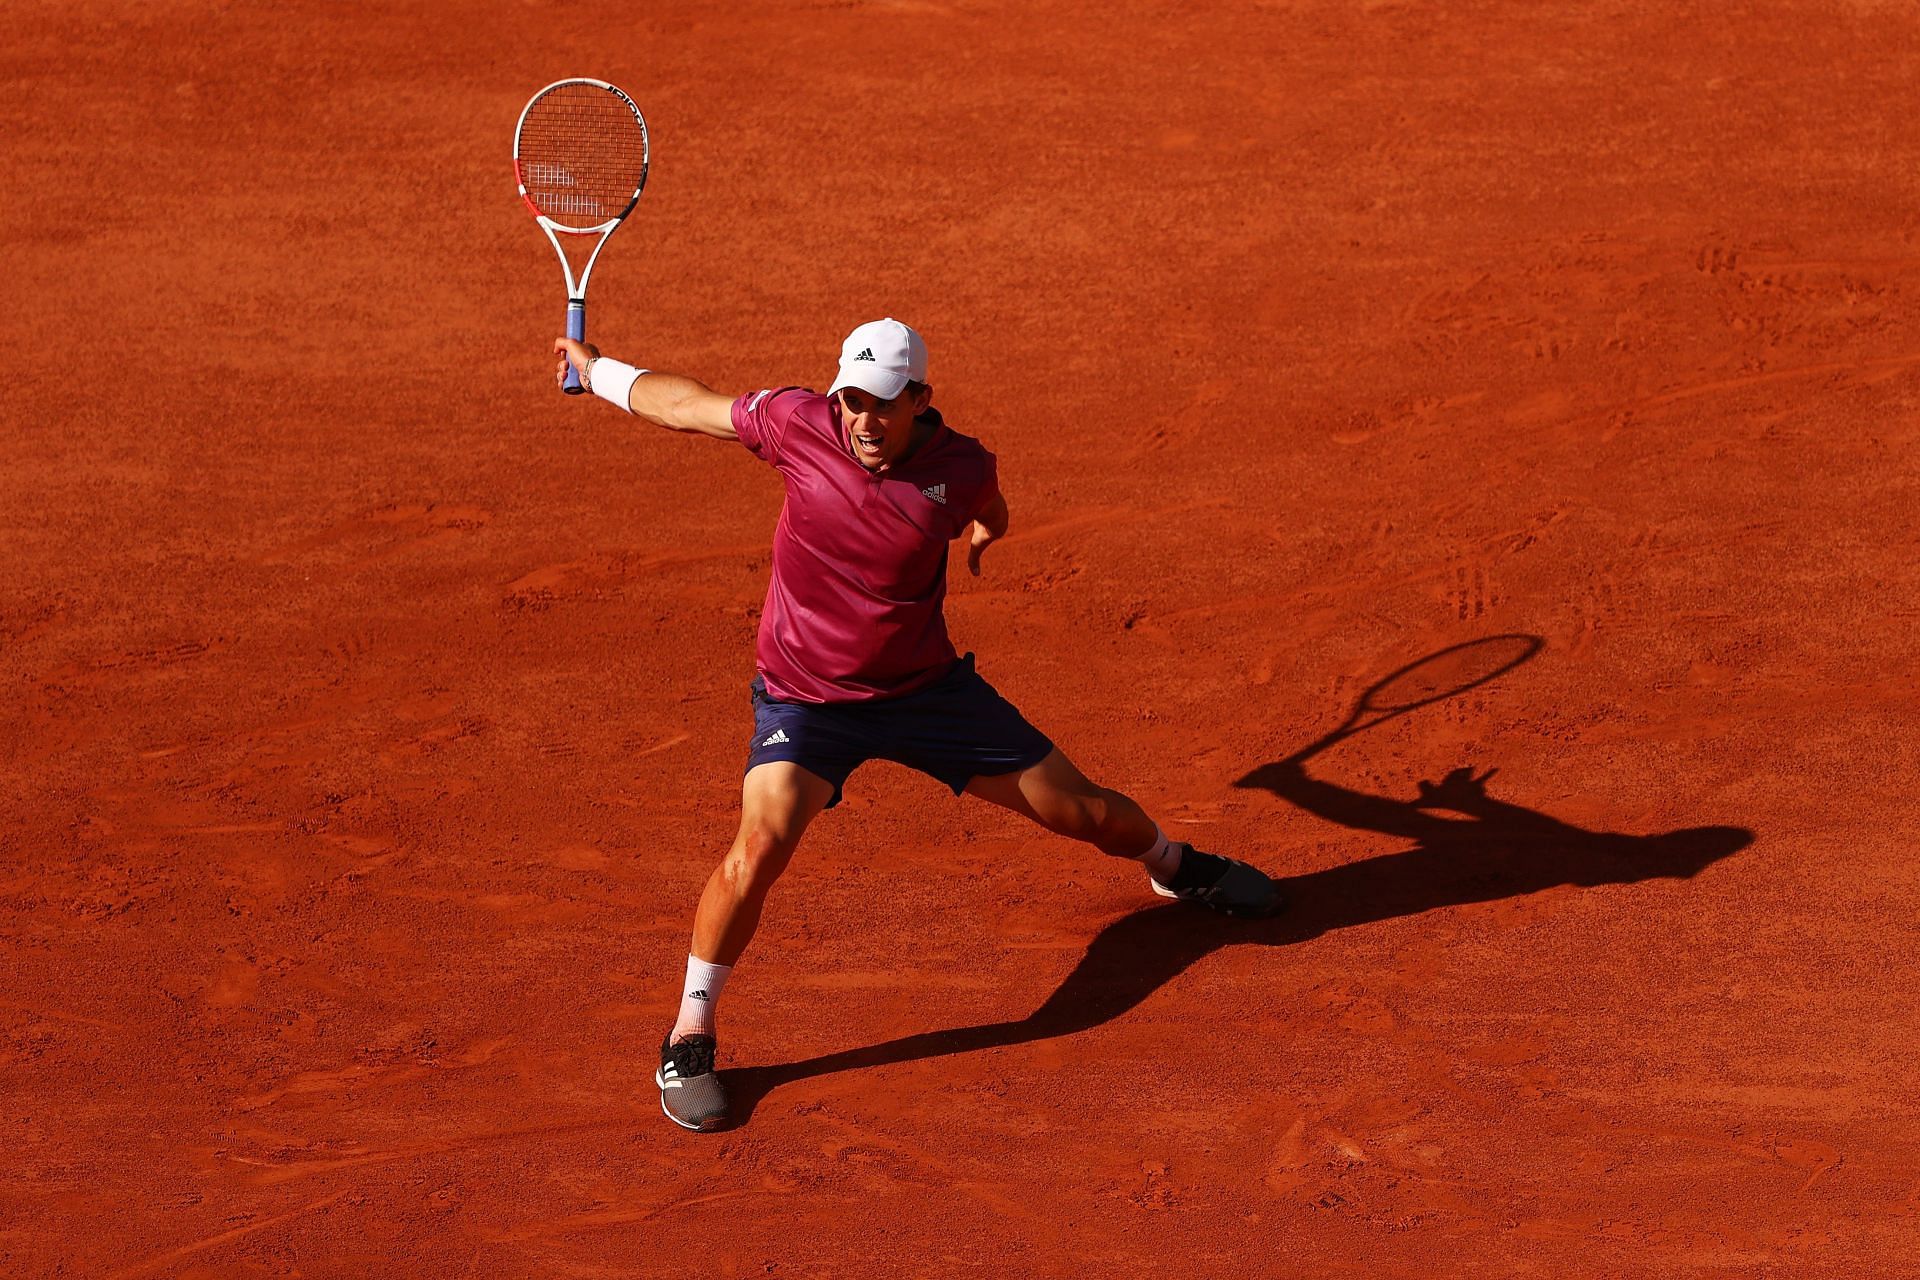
(1226, 885)
(690, 1089)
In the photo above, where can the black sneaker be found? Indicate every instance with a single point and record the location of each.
(690, 1091)
(1227, 885)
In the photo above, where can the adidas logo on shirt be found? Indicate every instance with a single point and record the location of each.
(938, 492)
(778, 735)
(866, 354)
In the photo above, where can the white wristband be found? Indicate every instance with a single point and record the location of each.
(612, 380)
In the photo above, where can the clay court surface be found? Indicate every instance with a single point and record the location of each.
(373, 713)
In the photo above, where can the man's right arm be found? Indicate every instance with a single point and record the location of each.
(682, 404)
(664, 399)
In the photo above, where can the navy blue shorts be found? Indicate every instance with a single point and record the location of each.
(957, 729)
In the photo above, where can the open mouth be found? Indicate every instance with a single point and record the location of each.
(869, 445)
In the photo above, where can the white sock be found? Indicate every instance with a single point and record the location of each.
(704, 984)
(1162, 859)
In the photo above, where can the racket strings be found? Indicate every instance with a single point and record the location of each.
(582, 155)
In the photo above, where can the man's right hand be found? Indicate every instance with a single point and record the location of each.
(572, 353)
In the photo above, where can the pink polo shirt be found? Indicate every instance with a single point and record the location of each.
(854, 607)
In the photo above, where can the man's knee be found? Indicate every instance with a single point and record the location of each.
(770, 829)
(774, 815)
(1084, 815)
(761, 852)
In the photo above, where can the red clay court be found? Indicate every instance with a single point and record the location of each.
(374, 713)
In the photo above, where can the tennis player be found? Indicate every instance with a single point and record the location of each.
(854, 660)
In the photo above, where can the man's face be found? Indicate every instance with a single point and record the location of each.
(881, 431)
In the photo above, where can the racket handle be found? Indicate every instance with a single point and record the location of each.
(577, 330)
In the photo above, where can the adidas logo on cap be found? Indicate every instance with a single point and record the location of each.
(879, 357)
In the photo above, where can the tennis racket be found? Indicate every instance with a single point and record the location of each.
(580, 156)
(1444, 674)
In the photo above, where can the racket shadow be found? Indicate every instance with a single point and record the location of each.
(1487, 850)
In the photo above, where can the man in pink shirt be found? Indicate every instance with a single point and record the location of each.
(854, 659)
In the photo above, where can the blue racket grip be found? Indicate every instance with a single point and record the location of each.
(577, 330)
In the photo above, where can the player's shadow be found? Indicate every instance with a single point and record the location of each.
(1488, 849)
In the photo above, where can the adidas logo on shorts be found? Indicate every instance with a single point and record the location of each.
(778, 735)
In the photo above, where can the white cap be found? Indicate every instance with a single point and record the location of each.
(881, 357)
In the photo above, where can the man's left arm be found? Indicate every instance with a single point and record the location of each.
(989, 526)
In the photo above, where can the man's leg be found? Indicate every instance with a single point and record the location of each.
(1063, 800)
(777, 801)
(1060, 798)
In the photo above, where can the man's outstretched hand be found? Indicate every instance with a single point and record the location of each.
(572, 353)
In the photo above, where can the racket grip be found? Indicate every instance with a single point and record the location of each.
(577, 330)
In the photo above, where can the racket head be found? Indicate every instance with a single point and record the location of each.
(1447, 673)
(580, 154)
